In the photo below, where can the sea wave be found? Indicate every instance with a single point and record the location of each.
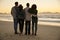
(41, 20)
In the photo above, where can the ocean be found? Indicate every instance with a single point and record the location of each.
(42, 19)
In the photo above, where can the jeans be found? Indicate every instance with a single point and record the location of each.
(21, 25)
(15, 25)
(34, 27)
(34, 24)
(27, 27)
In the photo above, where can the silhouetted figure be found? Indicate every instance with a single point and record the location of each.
(33, 11)
(27, 20)
(21, 17)
(13, 13)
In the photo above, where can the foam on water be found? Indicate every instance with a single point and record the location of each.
(44, 21)
(40, 22)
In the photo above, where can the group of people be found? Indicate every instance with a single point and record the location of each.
(27, 14)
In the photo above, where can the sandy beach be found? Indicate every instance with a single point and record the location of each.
(45, 32)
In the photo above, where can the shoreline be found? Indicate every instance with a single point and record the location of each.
(39, 23)
(44, 32)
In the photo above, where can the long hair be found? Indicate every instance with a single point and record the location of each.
(20, 7)
(34, 6)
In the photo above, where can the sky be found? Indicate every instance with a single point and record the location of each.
(42, 5)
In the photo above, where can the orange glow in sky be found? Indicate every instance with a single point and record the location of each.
(42, 5)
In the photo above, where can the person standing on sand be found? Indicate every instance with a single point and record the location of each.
(27, 20)
(13, 13)
(33, 11)
(21, 17)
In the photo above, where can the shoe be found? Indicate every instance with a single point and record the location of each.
(35, 34)
(25, 33)
(16, 33)
(28, 33)
(32, 33)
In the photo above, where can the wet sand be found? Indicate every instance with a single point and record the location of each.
(45, 32)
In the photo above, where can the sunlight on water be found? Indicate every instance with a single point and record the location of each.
(42, 21)
(49, 23)
(1, 19)
(49, 19)
(39, 22)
